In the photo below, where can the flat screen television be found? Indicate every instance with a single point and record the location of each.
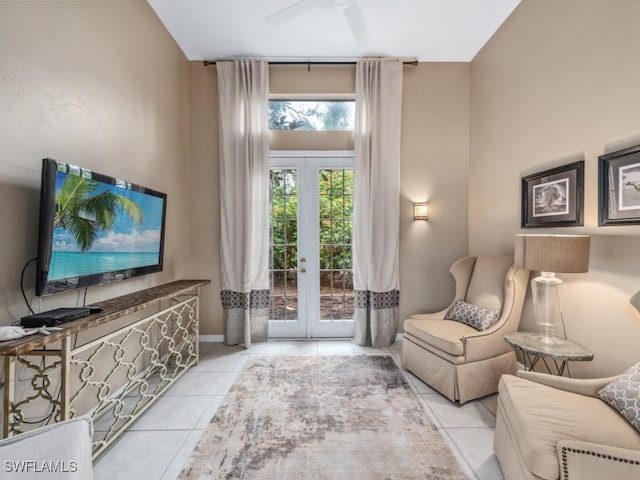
(95, 229)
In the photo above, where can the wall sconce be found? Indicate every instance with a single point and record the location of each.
(420, 211)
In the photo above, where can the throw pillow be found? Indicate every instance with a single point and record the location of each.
(477, 317)
(623, 394)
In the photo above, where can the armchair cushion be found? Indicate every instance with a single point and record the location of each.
(480, 318)
(444, 335)
(487, 283)
(623, 394)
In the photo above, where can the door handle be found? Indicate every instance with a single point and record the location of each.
(303, 270)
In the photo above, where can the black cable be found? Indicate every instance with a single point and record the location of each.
(47, 418)
(84, 300)
(564, 328)
(24, 295)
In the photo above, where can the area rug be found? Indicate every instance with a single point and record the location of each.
(321, 417)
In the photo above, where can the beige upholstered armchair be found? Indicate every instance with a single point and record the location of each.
(61, 451)
(455, 358)
(551, 427)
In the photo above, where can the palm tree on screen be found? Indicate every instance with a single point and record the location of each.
(83, 214)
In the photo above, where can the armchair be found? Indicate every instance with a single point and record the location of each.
(58, 451)
(454, 358)
(551, 427)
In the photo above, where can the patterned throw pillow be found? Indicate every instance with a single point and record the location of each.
(623, 394)
(477, 317)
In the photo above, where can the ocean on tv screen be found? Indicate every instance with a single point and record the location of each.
(77, 264)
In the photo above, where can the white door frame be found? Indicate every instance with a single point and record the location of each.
(308, 325)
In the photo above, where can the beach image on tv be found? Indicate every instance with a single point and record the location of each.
(99, 227)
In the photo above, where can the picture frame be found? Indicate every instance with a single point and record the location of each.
(554, 198)
(619, 187)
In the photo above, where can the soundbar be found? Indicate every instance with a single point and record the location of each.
(54, 317)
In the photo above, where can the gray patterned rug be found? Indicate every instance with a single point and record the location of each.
(326, 417)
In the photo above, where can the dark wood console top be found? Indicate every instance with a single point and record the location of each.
(113, 309)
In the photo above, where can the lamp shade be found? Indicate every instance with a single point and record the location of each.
(552, 253)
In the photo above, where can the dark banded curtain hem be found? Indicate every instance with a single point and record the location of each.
(246, 316)
(376, 318)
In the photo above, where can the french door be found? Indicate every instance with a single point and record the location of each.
(311, 229)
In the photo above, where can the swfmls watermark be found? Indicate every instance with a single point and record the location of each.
(39, 466)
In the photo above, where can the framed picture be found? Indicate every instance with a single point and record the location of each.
(554, 198)
(619, 187)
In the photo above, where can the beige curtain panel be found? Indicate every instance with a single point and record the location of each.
(243, 97)
(376, 204)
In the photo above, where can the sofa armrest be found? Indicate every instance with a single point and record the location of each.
(583, 386)
(593, 461)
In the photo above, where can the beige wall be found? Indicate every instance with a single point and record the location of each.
(435, 152)
(101, 85)
(435, 141)
(560, 81)
(205, 200)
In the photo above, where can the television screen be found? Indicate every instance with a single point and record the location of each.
(95, 229)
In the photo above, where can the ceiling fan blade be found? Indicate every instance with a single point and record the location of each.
(357, 25)
(289, 13)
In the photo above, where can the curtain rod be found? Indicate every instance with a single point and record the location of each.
(413, 63)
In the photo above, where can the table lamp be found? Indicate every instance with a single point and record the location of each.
(550, 254)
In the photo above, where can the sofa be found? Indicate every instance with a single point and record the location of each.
(550, 427)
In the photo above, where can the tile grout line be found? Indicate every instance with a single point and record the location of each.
(176, 454)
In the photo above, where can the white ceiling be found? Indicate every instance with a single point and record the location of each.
(427, 30)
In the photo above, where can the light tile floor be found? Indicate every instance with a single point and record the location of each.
(160, 442)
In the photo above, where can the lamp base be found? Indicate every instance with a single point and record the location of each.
(547, 300)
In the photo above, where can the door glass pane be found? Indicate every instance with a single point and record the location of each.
(335, 222)
(284, 244)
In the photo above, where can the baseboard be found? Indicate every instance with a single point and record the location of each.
(211, 338)
(220, 338)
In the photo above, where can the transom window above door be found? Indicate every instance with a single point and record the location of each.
(312, 115)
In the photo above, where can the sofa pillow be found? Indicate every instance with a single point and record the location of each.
(477, 317)
(623, 394)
